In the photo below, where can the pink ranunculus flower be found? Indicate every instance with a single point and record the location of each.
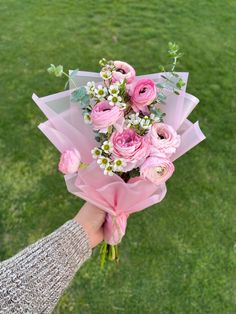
(164, 139)
(103, 115)
(142, 93)
(130, 146)
(70, 161)
(157, 169)
(123, 71)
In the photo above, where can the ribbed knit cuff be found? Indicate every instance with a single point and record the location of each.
(77, 242)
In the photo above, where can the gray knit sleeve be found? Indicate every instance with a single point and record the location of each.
(33, 280)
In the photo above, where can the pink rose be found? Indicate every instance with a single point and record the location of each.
(130, 146)
(164, 139)
(157, 169)
(142, 93)
(103, 115)
(69, 161)
(123, 71)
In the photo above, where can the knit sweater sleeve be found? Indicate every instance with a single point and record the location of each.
(33, 280)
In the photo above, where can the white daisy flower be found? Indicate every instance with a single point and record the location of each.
(101, 91)
(154, 117)
(108, 170)
(87, 118)
(145, 123)
(90, 88)
(106, 75)
(135, 119)
(119, 164)
(96, 152)
(114, 89)
(103, 162)
(107, 147)
(114, 100)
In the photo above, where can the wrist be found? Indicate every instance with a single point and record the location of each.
(85, 227)
(91, 219)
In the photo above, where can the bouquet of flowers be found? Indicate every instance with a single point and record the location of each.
(119, 135)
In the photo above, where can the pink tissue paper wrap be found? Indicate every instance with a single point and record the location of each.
(66, 129)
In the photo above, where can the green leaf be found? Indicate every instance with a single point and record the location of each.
(103, 62)
(180, 55)
(162, 69)
(79, 94)
(173, 48)
(158, 113)
(180, 83)
(134, 173)
(85, 100)
(164, 77)
(161, 96)
(161, 85)
(58, 71)
(51, 69)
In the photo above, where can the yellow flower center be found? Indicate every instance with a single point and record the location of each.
(104, 161)
(159, 170)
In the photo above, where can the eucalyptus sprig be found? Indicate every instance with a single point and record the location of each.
(174, 54)
(158, 113)
(59, 72)
(172, 80)
(80, 95)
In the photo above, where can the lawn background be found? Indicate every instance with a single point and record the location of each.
(179, 256)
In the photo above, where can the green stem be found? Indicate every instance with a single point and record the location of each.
(69, 78)
(174, 64)
(117, 253)
(103, 253)
(109, 252)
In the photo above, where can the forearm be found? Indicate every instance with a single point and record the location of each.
(33, 280)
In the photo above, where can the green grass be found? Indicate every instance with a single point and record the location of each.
(177, 257)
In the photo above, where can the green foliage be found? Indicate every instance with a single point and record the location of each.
(134, 173)
(172, 81)
(56, 70)
(174, 51)
(178, 257)
(158, 113)
(100, 137)
(103, 62)
(80, 95)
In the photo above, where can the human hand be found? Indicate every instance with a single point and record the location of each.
(91, 218)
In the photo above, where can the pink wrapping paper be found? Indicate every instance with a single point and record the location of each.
(66, 129)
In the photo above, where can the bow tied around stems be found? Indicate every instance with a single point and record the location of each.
(115, 227)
